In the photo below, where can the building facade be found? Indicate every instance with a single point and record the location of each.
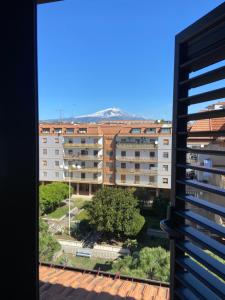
(136, 154)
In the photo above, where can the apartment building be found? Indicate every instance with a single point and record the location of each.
(119, 154)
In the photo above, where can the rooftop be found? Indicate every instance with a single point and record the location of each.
(60, 283)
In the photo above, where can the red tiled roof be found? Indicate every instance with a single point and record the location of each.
(59, 284)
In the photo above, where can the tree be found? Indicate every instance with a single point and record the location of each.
(115, 211)
(48, 244)
(159, 206)
(51, 195)
(151, 263)
(155, 263)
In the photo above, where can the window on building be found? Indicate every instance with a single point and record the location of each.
(45, 151)
(56, 151)
(44, 163)
(165, 142)
(58, 130)
(165, 168)
(56, 140)
(109, 153)
(151, 179)
(152, 154)
(95, 164)
(136, 179)
(95, 152)
(83, 175)
(137, 166)
(95, 176)
(56, 163)
(123, 165)
(123, 140)
(83, 141)
(165, 180)
(70, 141)
(137, 153)
(123, 178)
(165, 154)
(69, 130)
(56, 174)
(45, 174)
(95, 141)
(70, 151)
(84, 152)
(45, 130)
(150, 130)
(123, 153)
(136, 130)
(83, 164)
(82, 130)
(165, 130)
(151, 166)
(44, 140)
(109, 177)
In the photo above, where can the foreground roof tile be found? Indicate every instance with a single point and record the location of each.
(62, 283)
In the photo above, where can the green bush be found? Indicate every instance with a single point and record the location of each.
(48, 244)
(51, 195)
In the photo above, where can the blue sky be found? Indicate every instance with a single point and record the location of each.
(95, 54)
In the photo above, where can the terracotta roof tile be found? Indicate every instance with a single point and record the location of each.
(60, 284)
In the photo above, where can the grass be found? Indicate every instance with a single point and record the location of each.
(83, 215)
(60, 211)
(80, 202)
(87, 263)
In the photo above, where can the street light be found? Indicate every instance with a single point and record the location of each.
(69, 171)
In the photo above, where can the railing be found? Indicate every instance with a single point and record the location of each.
(94, 170)
(85, 145)
(137, 171)
(133, 183)
(84, 180)
(138, 159)
(120, 145)
(83, 157)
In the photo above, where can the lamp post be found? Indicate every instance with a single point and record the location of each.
(69, 181)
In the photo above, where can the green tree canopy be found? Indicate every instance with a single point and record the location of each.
(151, 263)
(115, 211)
(51, 195)
(48, 244)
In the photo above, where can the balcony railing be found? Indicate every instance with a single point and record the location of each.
(121, 145)
(133, 183)
(85, 145)
(82, 157)
(84, 180)
(90, 170)
(137, 171)
(138, 159)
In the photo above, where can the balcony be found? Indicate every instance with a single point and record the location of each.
(137, 171)
(136, 159)
(76, 145)
(137, 183)
(138, 146)
(88, 170)
(83, 157)
(84, 180)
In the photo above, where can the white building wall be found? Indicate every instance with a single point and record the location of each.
(51, 170)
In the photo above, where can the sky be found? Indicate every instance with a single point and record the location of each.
(96, 54)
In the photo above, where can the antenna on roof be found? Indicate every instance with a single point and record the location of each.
(60, 115)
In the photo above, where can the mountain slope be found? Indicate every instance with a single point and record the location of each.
(108, 114)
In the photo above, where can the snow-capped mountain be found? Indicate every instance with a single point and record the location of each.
(108, 114)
